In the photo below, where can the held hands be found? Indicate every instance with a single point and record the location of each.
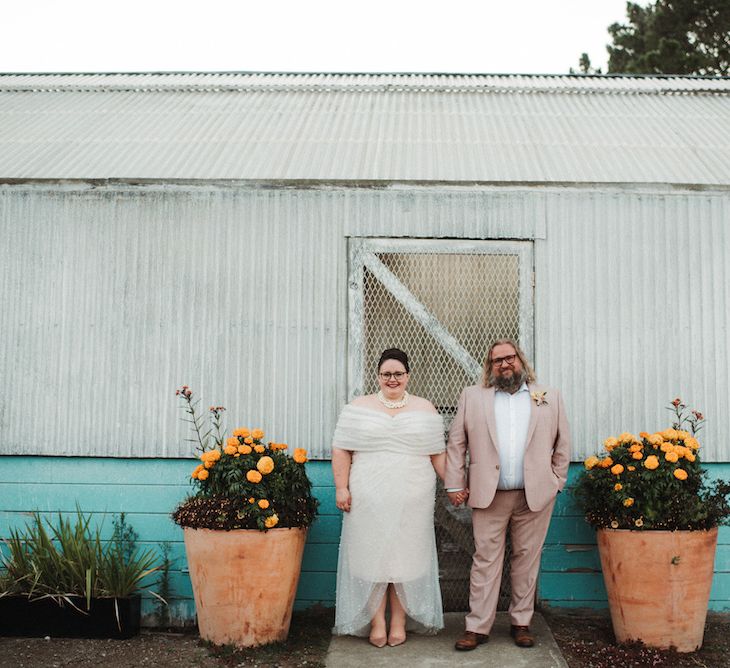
(343, 500)
(457, 498)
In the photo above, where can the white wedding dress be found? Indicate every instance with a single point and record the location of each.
(388, 535)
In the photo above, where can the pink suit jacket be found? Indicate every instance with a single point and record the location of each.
(474, 429)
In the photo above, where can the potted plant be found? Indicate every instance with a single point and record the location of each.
(656, 517)
(245, 527)
(66, 581)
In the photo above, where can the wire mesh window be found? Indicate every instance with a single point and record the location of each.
(443, 302)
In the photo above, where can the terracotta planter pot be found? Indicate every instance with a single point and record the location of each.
(244, 582)
(658, 584)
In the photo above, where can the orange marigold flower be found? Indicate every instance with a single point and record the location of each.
(271, 522)
(259, 448)
(682, 435)
(635, 447)
(248, 440)
(263, 503)
(300, 455)
(690, 457)
(669, 434)
(692, 442)
(626, 437)
(197, 470)
(610, 443)
(644, 434)
(209, 463)
(617, 469)
(253, 476)
(230, 449)
(618, 486)
(655, 439)
(591, 462)
(232, 441)
(631, 468)
(671, 456)
(242, 432)
(265, 465)
(251, 499)
(628, 502)
(258, 434)
(680, 474)
(637, 455)
(203, 475)
(651, 462)
(244, 449)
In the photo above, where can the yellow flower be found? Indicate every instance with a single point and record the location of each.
(259, 448)
(300, 455)
(638, 455)
(618, 486)
(671, 457)
(244, 449)
(591, 462)
(651, 462)
(680, 474)
(628, 502)
(271, 522)
(253, 476)
(257, 434)
(203, 475)
(610, 443)
(617, 469)
(692, 442)
(242, 432)
(626, 437)
(230, 449)
(263, 503)
(265, 465)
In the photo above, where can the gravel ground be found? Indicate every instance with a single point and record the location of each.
(584, 636)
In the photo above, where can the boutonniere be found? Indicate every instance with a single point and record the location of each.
(539, 398)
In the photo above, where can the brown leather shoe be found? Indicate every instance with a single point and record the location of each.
(522, 636)
(470, 640)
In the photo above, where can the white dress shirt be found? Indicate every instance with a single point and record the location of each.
(512, 413)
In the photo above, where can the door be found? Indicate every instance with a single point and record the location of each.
(443, 301)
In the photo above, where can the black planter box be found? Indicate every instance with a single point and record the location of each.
(20, 616)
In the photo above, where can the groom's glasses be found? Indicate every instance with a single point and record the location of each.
(397, 375)
(510, 359)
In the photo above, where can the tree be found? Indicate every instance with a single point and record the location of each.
(584, 66)
(672, 37)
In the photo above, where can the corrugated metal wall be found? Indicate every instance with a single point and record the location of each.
(113, 296)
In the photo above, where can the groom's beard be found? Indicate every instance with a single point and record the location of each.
(511, 384)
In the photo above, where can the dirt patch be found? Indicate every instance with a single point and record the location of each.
(584, 636)
(586, 639)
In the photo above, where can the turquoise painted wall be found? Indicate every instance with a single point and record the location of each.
(147, 490)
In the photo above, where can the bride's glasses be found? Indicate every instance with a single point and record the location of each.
(397, 375)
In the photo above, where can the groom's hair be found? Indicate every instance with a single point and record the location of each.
(487, 373)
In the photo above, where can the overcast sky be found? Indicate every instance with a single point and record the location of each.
(491, 36)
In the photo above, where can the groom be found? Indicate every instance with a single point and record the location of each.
(517, 437)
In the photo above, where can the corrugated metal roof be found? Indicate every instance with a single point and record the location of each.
(355, 127)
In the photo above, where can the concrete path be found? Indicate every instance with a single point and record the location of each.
(438, 651)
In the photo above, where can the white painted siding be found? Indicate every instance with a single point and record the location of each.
(114, 296)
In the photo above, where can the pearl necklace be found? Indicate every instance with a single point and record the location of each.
(398, 403)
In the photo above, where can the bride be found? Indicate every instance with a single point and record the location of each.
(386, 452)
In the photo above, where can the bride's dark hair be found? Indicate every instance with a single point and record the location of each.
(394, 354)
